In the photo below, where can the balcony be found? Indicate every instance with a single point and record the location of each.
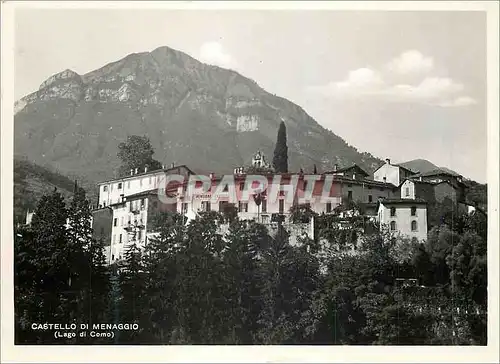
(131, 226)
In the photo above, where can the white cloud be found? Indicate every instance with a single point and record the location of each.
(411, 62)
(369, 83)
(214, 53)
(362, 81)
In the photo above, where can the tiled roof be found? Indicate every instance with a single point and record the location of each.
(344, 169)
(394, 201)
(146, 173)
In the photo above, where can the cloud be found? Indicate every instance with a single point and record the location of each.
(369, 83)
(362, 81)
(411, 62)
(214, 53)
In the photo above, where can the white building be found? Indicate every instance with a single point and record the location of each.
(133, 200)
(392, 173)
(407, 217)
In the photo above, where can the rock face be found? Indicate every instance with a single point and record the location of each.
(209, 118)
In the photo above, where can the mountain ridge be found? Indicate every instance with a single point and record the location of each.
(204, 116)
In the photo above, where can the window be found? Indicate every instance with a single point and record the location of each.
(105, 188)
(115, 221)
(128, 184)
(150, 181)
(264, 205)
(142, 203)
(113, 257)
(281, 206)
(349, 195)
(111, 187)
(393, 225)
(393, 211)
(114, 238)
(184, 207)
(205, 205)
(407, 191)
(242, 206)
(305, 185)
(413, 211)
(121, 221)
(241, 186)
(370, 198)
(222, 205)
(120, 186)
(328, 207)
(225, 189)
(140, 182)
(139, 235)
(413, 225)
(104, 203)
(120, 238)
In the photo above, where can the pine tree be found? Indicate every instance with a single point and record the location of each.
(280, 159)
(161, 272)
(131, 307)
(51, 261)
(240, 260)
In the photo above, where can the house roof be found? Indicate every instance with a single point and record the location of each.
(396, 165)
(345, 169)
(405, 201)
(146, 174)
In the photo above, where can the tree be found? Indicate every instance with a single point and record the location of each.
(50, 286)
(280, 159)
(136, 152)
(131, 304)
(161, 270)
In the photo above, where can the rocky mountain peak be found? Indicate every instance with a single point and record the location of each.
(195, 114)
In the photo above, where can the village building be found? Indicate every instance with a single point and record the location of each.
(406, 217)
(353, 172)
(392, 173)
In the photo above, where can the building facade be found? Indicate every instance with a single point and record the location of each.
(392, 173)
(406, 217)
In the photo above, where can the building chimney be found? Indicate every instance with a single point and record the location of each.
(146, 169)
(173, 164)
(385, 179)
(420, 178)
(354, 176)
(335, 167)
(387, 161)
(212, 176)
(131, 172)
(136, 170)
(162, 166)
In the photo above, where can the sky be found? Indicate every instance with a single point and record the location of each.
(399, 85)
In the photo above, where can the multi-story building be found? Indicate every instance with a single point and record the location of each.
(132, 200)
(392, 173)
(405, 216)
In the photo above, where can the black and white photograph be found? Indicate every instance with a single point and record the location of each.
(242, 175)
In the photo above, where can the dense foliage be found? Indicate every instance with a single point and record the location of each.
(201, 284)
(136, 153)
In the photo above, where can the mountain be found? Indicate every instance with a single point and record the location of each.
(423, 165)
(206, 117)
(31, 182)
